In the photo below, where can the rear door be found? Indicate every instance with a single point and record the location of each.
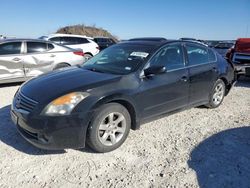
(38, 59)
(203, 72)
(11, 61)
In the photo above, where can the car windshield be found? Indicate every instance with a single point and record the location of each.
(119, 59)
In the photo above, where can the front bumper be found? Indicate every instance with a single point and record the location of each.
(53, 133)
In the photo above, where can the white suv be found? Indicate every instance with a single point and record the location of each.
(86, 44)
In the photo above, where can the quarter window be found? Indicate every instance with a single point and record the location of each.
(34, 47)
(170, 56)
(10, 48)
(197, 54)
(212, 56)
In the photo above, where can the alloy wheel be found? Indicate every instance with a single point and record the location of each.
(112, 129)
(218, 94)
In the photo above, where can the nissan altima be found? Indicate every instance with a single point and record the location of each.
(119, 89)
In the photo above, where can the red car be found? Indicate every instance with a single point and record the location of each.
(240, 56)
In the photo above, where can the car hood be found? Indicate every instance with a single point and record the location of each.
(57, 83)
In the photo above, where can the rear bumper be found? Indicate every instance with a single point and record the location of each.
(242, 69)
(242, 63)
(53, 133)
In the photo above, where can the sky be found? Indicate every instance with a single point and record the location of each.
(203, 19)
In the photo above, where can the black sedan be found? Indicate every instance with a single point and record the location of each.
(125, 85)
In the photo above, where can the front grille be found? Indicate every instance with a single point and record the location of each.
(24, 103)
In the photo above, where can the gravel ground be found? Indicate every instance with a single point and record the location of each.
(196, 148)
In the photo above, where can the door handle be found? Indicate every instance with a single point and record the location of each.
(184, 78)
(16, 59)
(215, 69)
(52, 55)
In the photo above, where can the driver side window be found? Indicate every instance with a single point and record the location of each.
(170, 56)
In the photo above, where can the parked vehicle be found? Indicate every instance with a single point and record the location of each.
(125, 85)
(223, 47)
(240, 56)
(88, 46)
(193, 39)
(212, 43)
(2, 37)
(22, 59)
(104, 42)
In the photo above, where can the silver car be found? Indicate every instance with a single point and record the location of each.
(22, 59)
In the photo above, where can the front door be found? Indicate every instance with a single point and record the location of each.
(168, 91)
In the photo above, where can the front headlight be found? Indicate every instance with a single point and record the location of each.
(65, 104)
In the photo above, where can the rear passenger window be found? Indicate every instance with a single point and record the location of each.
(50, 46)
(10, 48)
(82, 41)
(197, 54)
(68, 40)
(34, 47)
(170, 56)
(212, 56)
(56, 40)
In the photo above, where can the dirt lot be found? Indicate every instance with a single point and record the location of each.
(195, 148)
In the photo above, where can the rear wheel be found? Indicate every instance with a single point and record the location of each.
(217, 94)
(109, 128)
(87, 56)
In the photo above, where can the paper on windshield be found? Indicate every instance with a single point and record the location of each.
(139, 54)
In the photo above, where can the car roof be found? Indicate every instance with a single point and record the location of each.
(157, 41)
(22, 39)
(68, 35)
(100, 37)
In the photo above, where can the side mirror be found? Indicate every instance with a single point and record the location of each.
(155, 69)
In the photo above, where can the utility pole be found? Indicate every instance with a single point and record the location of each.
(247, 30)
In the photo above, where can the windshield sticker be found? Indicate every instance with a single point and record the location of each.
(139, 54)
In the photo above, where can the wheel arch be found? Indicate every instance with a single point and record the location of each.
(124, 101)
(61, 63)
(89, 53)
(227, 84)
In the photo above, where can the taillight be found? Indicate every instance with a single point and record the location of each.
(79, 53)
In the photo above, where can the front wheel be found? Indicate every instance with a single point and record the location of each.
(109, 128)
(217, 95)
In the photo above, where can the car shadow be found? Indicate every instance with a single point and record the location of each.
(10, 84)
(223, 160)
(10, 136)
(243, 82)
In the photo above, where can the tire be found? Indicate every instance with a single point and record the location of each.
(61, 65)
(104, 134)
(217, 94)
(87, 56)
